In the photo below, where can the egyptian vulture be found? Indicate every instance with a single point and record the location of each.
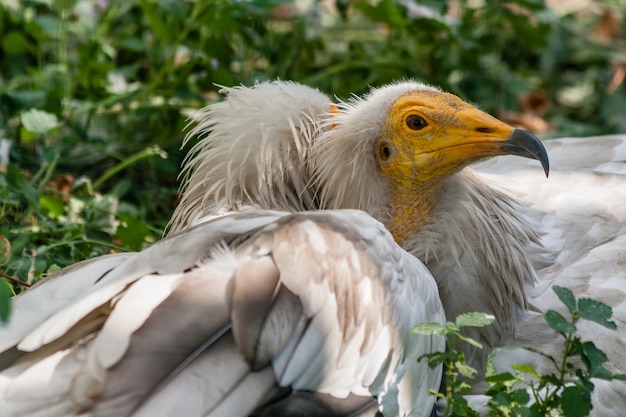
(256, 289)
(495, 238)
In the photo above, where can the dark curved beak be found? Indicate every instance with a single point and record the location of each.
(523, 143)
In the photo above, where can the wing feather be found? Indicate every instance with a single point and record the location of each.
(153, 327)
(60, 289)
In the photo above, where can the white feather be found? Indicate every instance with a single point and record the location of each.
(123, 367)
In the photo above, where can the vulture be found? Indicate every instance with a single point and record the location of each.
(309, 238)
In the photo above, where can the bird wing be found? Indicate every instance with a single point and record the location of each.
(580, 213)
(210, 321)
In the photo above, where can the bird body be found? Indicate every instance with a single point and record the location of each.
(401, 155)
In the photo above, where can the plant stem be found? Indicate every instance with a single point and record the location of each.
(449, 375)
(145, 153)
(15, 280)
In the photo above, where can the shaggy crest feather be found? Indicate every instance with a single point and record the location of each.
(249, 156)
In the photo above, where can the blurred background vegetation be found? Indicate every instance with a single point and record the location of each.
(94, 94)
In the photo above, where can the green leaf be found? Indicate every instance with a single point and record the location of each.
(501, 377)
(54, 205)
(63, 5)
(14, 43)
(490, 369)
(520, 396)
(501, 399)
(566, 296)
(595, 355)
(594, 358)
(527, 369)
(14, 176)
(474, 319)
(429, 328)
(536, 411)
(436, 358)
(385, 11)
(558, 323)
(132, 232)
(461, 408)
(459, 405)
(596, 311)
(464, 369)
(470, 341)
(39, 122)
(27, 99)
(157, 24)
(5, 299)
(52, 269)
(551, 379)
(463, 387)
(17, 180)
(575, 401)
(518, 411)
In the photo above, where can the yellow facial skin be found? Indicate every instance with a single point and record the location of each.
(429, 136)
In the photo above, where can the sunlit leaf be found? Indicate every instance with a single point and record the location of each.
(465, 370)
(39, 122)
(527, 369)
(470, 341)
(54, 205)
(474, 319)
(429, 328)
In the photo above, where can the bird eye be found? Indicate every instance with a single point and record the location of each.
(415, 122)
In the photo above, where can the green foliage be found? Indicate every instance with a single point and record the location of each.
(566, 392)
(457, 371)
(47, 228)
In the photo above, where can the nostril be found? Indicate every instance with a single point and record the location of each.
(484, 130)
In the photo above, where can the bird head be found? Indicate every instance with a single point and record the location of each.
(390, 152)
